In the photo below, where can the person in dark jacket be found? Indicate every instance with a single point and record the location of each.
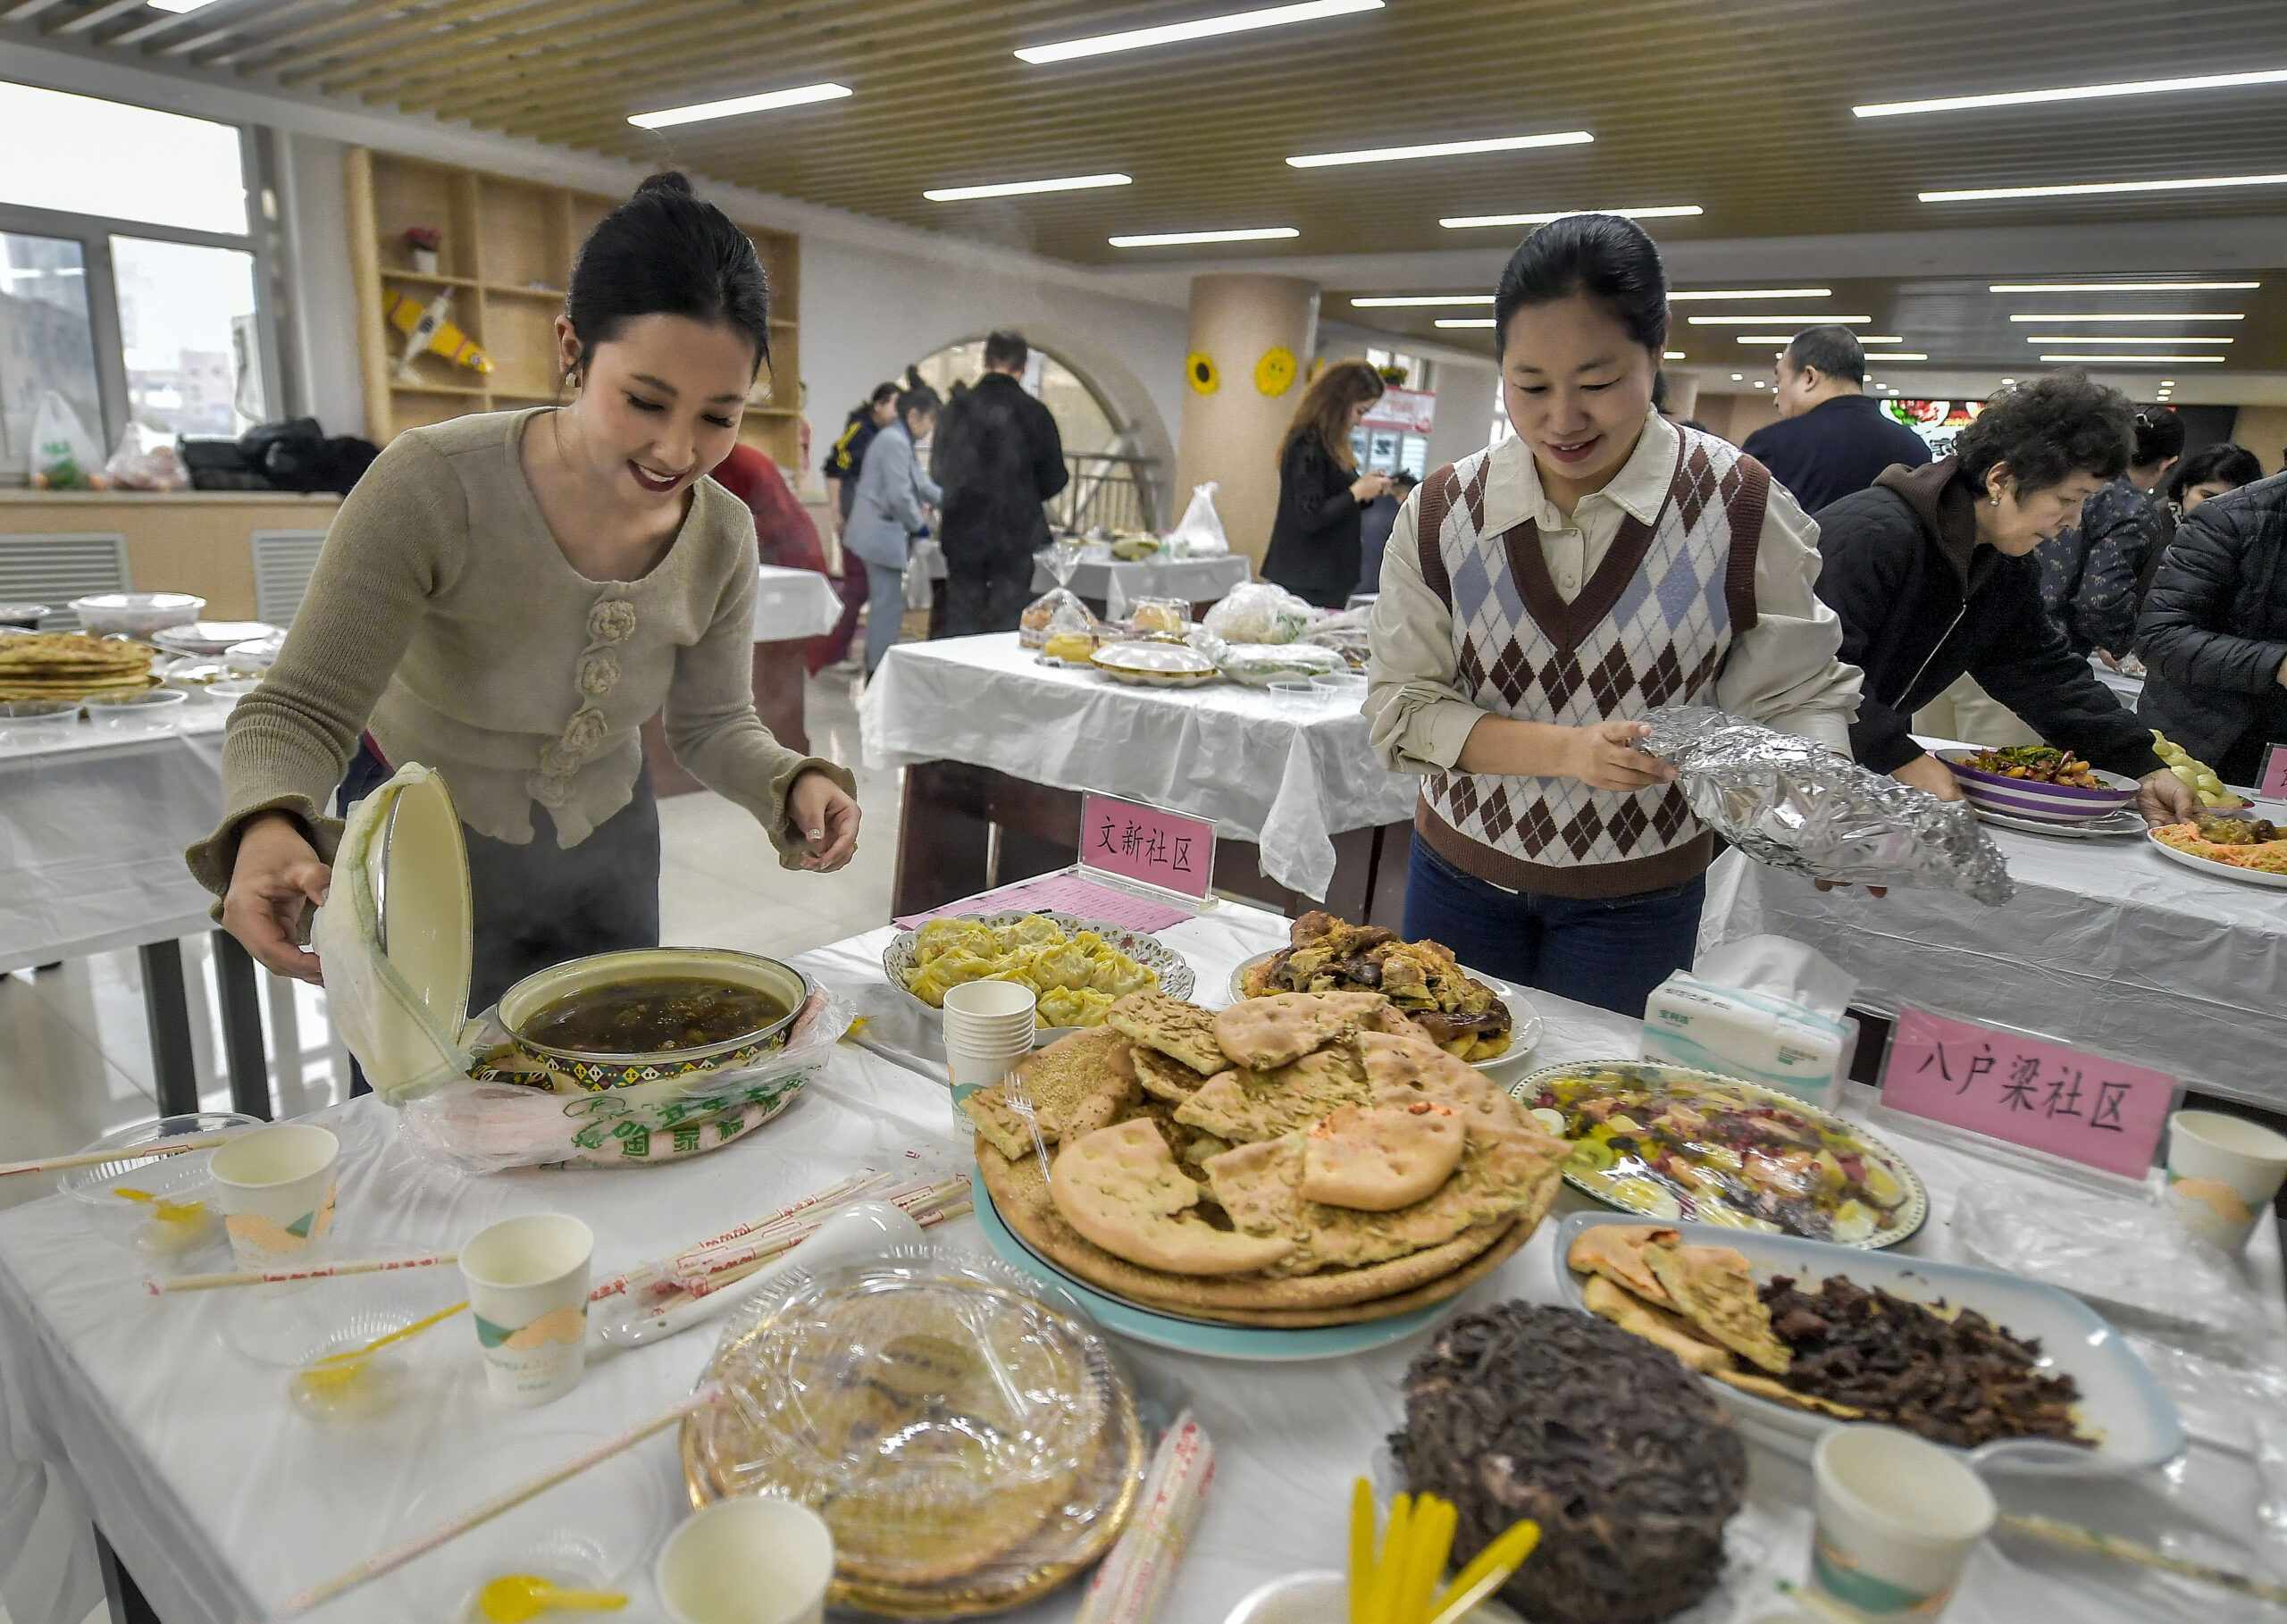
(998, 456)
(1930, 572)
(2214, 631)
(1374, 530)
(2089, 571)
(1317, 540)
(1832, 438)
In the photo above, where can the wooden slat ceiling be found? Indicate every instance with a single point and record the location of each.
(1740, 106)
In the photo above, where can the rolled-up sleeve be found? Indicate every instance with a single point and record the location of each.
(1415, 718)
(1783, 671)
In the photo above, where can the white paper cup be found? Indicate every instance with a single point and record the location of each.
(755, 1560)
(528, 1291)
(988, 1014)
(1898, 1517)
(2222, 1173)
(276, 1189)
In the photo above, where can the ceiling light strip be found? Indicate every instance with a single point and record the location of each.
(1014, 189)
(1417, 301)
(667, 117)
(1161, 240)
(2145, 360)
(1895, 354)
(2118, 338)
(1440, 149)
(2094, 188)
(1462, 223)
(1676, 297)
(2119, 287)
(2072, 93)
(1199, 28)
(1465, 321)
(2131, 315)
(1786, 339)
(1793, 319)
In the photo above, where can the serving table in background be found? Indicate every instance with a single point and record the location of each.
(1109, 585)
(997, 748)
(221, 1501)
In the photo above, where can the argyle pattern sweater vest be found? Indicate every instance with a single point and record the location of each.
(1650, 627)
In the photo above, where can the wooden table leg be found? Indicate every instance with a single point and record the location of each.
(241, 1007)
(166, 1014)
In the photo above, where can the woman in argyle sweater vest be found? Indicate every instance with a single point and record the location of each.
(1540, 597)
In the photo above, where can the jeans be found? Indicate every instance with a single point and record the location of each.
(538, 904)
(1608, 951)
(987, 594)
(885, 611)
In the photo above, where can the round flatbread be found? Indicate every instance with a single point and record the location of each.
(1120, 1188)
(1378, 1159)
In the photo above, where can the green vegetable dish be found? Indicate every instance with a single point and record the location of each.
(1673, 1143)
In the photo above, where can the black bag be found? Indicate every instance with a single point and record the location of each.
(294, 454)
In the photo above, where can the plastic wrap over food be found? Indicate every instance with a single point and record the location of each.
(1797, 806)
(970, 1445)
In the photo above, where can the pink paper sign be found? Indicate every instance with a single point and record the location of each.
(2273, 785)
(2103, 1114)
(1134, 842)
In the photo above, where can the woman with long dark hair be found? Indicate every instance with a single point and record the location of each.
(1540, 597)
(506, 597)
(1315, 540)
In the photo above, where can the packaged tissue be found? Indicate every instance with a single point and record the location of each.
(1764, 1008)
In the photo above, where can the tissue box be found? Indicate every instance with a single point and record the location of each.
(1765, 1039)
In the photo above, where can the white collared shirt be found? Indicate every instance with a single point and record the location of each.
(1782, 671)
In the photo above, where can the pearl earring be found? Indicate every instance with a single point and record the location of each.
(1997, 501)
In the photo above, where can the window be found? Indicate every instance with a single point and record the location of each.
(131, 283)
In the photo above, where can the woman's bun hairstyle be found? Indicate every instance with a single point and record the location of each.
(1603, 257)
(667, 251)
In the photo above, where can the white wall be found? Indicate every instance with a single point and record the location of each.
(1464, 410)
(323, 317)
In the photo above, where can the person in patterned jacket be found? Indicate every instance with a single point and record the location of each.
(2093, 575)
(1538, 598)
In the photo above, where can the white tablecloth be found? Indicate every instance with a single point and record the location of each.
(1119, 584)
(793, 603)
(2107, 945)
(92, 835)
(1288, 779)
(222, 1501)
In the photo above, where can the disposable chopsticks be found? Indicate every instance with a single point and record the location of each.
(96, 1159)
(314, 1271)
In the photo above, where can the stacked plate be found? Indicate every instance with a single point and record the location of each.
(212, 638)
(1155, 665)
(2044, 803)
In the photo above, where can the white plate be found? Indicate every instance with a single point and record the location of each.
(1524, 1020)
(2124, 822)
(1155, 665)
(212, 637)
(1176, 978)
(2136, 1424)
(2223, 871)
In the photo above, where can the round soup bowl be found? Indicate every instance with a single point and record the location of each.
(520, 1004)
(2055, 803)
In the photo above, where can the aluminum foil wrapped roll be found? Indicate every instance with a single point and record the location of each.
(1797, 806)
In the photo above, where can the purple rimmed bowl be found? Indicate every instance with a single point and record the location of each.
(2055, 803)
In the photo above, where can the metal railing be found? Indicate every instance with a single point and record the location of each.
(1108, 491)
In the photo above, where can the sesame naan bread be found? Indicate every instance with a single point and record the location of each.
(1713, 1288)
(1120, 1188)
(1164, 1077)
(1378, 1159)
(1247, 1106)
(1639, 1319)
(1264, 1032)
(1075, 1086)
(1616, 1252)
(1181, 1031)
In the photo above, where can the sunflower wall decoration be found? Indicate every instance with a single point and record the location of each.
(1274, 374)
(1201, 370)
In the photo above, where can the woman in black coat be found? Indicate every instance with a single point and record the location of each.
(2214, 631)
(1315, 541)
(1930, 571)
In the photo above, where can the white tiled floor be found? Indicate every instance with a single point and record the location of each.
(75, 1060)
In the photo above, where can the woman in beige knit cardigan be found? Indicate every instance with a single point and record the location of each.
(506, 598)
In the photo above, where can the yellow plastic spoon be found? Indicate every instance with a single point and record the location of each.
(514, 1598)
(163, 1210)
(340, 1369)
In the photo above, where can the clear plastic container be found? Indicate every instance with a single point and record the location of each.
(136, 613)
(137, 716)
(1299, 694)
(33, 723)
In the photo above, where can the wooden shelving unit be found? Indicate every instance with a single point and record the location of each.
(506, 258)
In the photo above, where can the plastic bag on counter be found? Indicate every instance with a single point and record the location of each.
(1199, 533)
(1797, 806)
(1159, 617)
(965, 1432)
(1060, 626)
(1259, 665)
(64, 455)
(145, 460)
(1257, 612)
(490, 1125)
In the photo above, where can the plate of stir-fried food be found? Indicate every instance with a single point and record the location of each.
(2038, 781)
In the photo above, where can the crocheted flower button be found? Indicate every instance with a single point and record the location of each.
(584, 733)
(551, 792)
(611, 621)
(597, 672)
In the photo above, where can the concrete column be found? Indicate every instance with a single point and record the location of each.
(1232, 435)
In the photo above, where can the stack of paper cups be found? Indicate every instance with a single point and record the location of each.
(988, 1029)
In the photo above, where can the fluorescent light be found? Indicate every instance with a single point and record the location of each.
(2115, 338)
(1784, 339)
(1672, 355)
(2163, 360)
(1670, 212)
(2167, 383)
(1011, 189)
(2116, 286)
(1440, 149)
(2073, 92)
(180, 6)
(1199, 28)
(1737, 376)
(737, 104)
(1414, 301)
(1983, 192)
(1796, 320)
(2115, 315)
(1465, 321)
(1895, 354)
(1675, 297)
(1161, 240)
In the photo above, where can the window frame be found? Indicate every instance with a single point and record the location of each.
(94, 232)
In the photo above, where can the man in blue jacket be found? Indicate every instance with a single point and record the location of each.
(1832, 438)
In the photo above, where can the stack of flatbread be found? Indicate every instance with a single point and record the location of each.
(1699, 1302)
(71, 666)
(1301, 1159)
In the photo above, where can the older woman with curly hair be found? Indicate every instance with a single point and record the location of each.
(1933, 574)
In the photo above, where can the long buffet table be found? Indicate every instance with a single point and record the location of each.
(222, 1501)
